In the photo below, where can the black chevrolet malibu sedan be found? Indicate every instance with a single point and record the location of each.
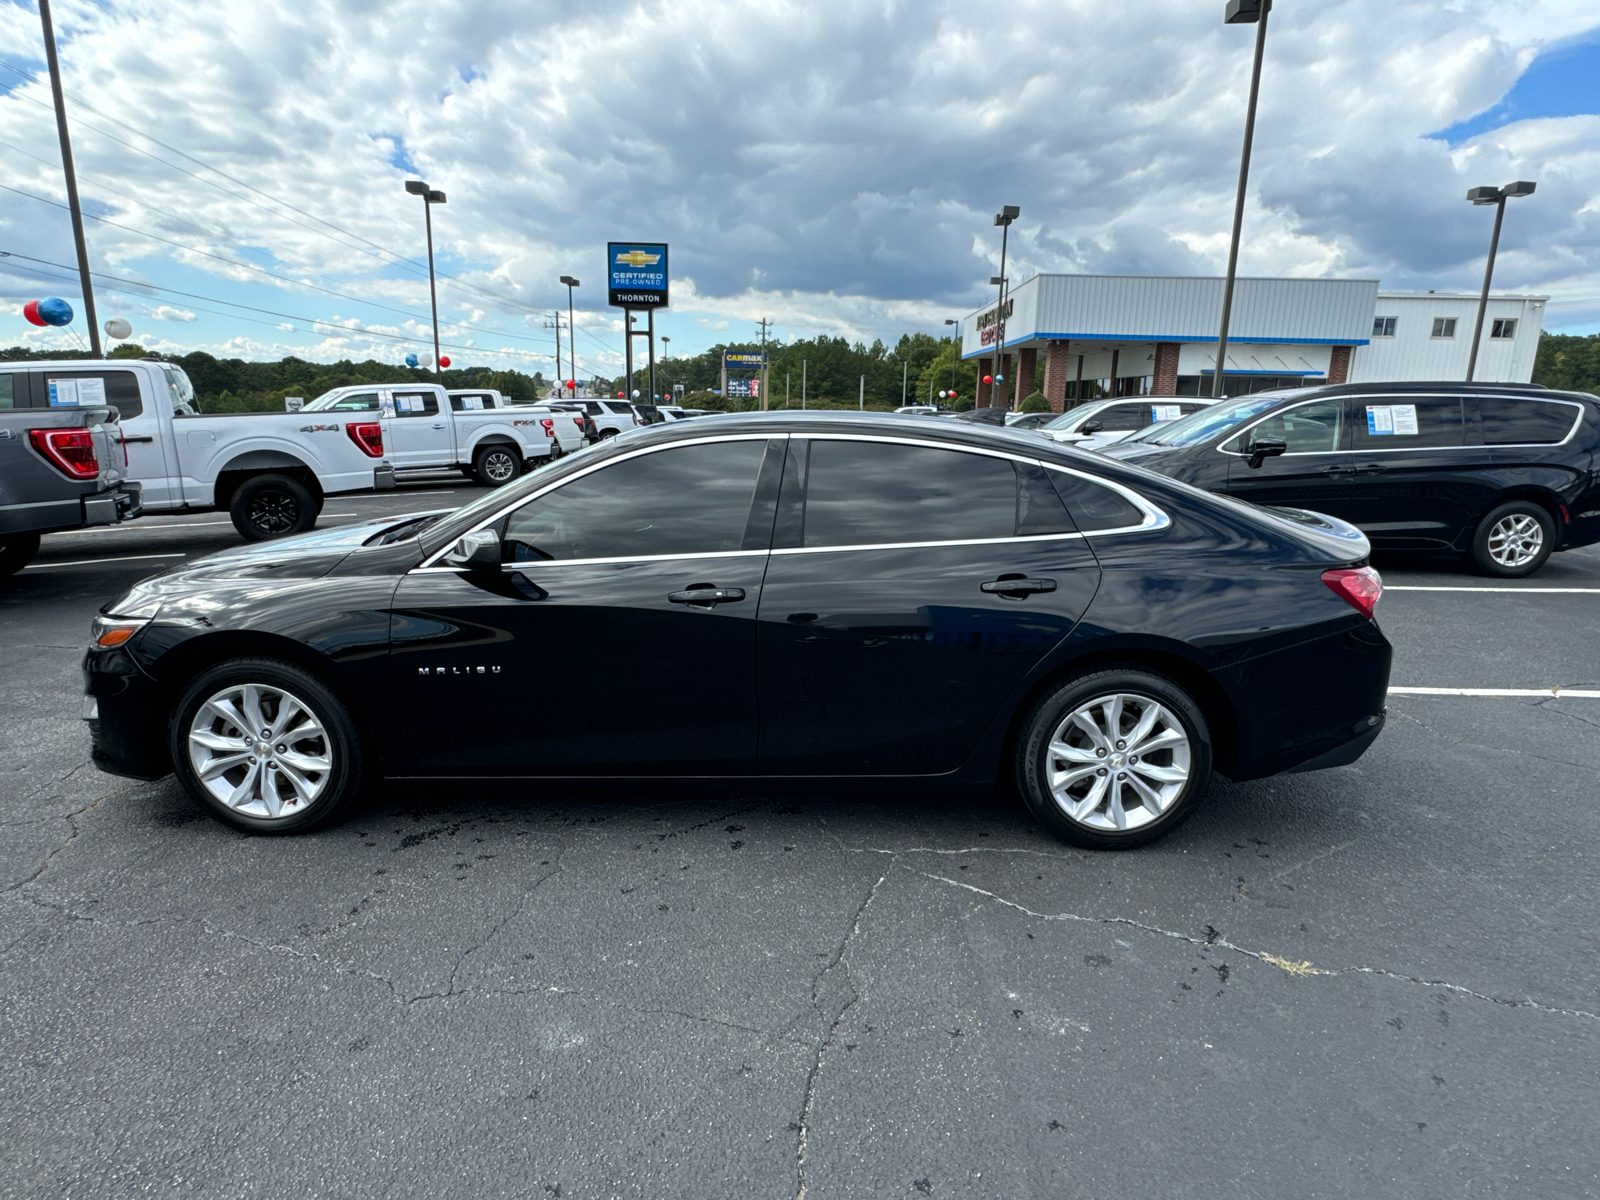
(818, 598)
(1501, 473)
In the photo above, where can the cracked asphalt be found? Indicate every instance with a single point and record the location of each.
(1377, 980)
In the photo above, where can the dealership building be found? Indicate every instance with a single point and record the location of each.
(1081, 337)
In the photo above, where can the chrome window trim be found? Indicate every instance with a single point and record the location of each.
(1032, 537)
(1571, 433)
(511, 506)
(536, 563)
(1154, 518)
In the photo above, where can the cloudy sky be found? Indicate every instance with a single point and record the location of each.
(831, 166)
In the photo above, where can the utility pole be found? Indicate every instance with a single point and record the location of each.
(802, 385)
(862, 402)
(561, 380)
(72, 178)
(765, 324)
(905, 377)
(1239, 12)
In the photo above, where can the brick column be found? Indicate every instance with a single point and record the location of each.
(1339, 364)
(985, 367)
(1165, 382)
(1115, 354)
(1077, 391)
(1027, 368)
(1056, 361)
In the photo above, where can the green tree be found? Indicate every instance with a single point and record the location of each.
(1568, 362)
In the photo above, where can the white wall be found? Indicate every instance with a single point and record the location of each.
(1415, 354)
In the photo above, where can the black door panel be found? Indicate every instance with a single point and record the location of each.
(1312, 474)
(1417, 484)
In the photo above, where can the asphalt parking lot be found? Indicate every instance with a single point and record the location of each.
(1378, 980)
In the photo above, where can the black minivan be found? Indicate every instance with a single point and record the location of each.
(1502, 473)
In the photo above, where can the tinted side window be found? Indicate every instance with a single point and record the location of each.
(1508, 422)
(10, 387)
(70, 389)
(359, 402)
(471, 403)
(415, 404)
(1039, 506)
(1122, 418)
(875, 493)
(1310, 429)
(689, 500)
(1094, 506)
(1401, 422)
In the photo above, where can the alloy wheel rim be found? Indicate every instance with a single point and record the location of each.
(1118, 762)
(274, 512)
(497, 466)
(275, 775)
(1515, 540)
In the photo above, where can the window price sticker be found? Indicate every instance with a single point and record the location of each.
(1164, 412)
(1386, 420)
(409, 403)
(474, 403)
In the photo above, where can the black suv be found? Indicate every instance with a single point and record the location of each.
(1502, 473)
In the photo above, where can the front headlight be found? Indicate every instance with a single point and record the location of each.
(115, 627)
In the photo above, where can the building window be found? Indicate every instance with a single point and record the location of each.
(1505, 327)
(1383, 326)
(1444, 327)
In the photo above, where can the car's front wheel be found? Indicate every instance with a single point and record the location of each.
(1514, 540)
(1114, 758)
(267, 746)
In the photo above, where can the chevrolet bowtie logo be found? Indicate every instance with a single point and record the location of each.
(637, 258)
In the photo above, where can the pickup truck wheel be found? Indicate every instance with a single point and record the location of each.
(272, 506)
(266, 746)
(16, 552)
(497, 464)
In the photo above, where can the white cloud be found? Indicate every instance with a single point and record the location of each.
(833, 167)
(167, 313)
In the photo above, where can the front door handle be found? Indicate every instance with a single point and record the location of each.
(706, 595)
(1371, 469)
(1337, 472)
(1016, 586)
(148, 437)
(438, 426)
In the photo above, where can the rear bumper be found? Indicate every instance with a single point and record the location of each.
(1363, 734)
(122, 503)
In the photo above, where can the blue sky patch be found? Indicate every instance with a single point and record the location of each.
(1564, 81)
(399, 156)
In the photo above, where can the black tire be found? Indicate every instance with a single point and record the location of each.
(272, 506)
(496, 464)
(16, 552)
(609, 433)
(1185, 759)
(1514, 540)
(469, 472)
(338, 786)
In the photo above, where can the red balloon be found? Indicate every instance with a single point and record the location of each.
(988, 379)
(30, 312)
(572, 383)
(444, 360)
(619, 396)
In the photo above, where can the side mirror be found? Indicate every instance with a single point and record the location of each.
(479, 551)
(1264, 449)
(1091, 426)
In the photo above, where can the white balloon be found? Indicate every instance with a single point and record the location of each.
(118, 329)
(425, 360)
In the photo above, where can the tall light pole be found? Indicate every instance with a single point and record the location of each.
(72, 177)
(572, 336)
(1239, 12)
(1497, 197)
(1007, 214)
(429, 198)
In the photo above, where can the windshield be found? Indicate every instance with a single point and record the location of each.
(1208, 422)
(1066, 419)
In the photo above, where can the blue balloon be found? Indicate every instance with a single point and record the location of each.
(55, 311)
(411, 360)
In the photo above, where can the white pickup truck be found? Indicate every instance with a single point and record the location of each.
(272, 471)
(566, 429)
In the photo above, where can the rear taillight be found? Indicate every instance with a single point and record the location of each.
(70, 451)
(549, 424)
(1361, 586)
(369, 436)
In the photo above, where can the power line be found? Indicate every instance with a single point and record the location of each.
(398, 259)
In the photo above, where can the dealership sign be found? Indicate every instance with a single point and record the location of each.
(740, 360)
(988, 323)
(637, 274)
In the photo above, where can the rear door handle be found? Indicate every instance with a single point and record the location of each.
(438, 426)
(1336, 472)
(1018, 586)
(1371, 469)
(141, 438)
(706, 595)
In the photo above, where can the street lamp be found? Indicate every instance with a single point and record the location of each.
(1239, 12)
(429, 198)
(1007, 214)
(572, 349)
(1497, 197)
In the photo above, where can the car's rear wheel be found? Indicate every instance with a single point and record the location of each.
(1114, 758)
(1514, 540)
(496, 465)
(16, 552)
(266, 746)
(272, 506)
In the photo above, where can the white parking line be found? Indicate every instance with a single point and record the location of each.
(84, 562)
(141, 524)
(397, 494)
(1563, 693)
(1390, 587)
